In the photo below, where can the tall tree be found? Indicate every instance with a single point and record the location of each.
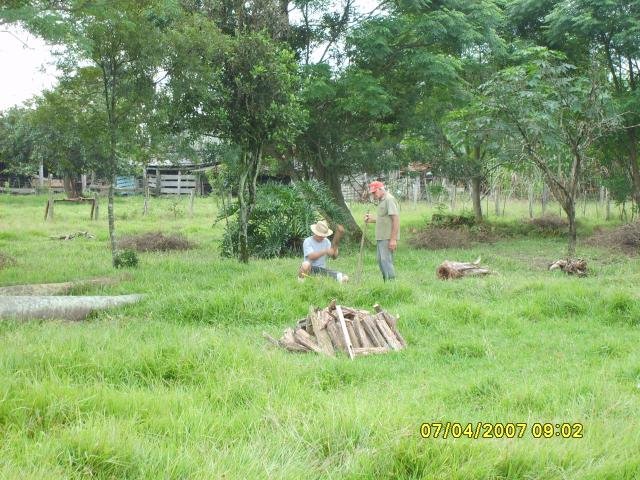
(607, 32)
(121, 42)
(230, 77)
(428, 58)
(556, 116)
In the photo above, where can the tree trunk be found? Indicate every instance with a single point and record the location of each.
(633, 163)
(571, 215)
(112, 223)
(247, 197)
(70, 189)
(243, 253)
(530, 194)
(331, 179)
(475, 197)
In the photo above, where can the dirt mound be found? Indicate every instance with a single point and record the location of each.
(155, 242)
(437, 238)
(625, 238)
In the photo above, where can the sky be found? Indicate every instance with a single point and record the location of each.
(25, 66)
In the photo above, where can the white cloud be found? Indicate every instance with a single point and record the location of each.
(26, 65)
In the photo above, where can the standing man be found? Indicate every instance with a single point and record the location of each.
(387, 228)
(317, 248)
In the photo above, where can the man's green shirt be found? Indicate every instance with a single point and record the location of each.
(388, 206)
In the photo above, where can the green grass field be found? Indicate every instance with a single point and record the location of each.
(184, 386)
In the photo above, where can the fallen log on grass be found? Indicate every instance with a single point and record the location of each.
(571, 267)
(71, 236)
(449, 270)
(342, 329)
(60, 308)
(55, 288)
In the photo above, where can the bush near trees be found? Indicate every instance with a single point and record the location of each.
(281, 219)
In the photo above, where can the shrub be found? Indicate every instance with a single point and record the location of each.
(452, 221)
(125, 258)
(280, 220)
(155, 242)
(625, 238)
(550, 225)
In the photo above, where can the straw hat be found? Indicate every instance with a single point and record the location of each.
(321, 229)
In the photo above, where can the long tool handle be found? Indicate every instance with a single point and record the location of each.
(362, 238)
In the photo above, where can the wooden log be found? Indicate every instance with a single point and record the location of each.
(320, 331)
(392, 322)
(303, 338)
(63, 308)
(288, 342)
(336, 338)
(370, 350)
(386, 332)
(355, 342)
(70, 236)
(352, 312)
(332, 305)
(324, 318)
(271, 339)
(450, 270)
(572, 267)
(345, 332)
(376, 339)
(363, 339)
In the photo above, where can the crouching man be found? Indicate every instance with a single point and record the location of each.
(317, 248)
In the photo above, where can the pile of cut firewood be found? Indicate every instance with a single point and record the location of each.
(339, 328)
(572, 267)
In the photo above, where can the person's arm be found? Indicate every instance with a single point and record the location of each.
(395, 226)
(368, 218)
(311, 255)
(320, 253)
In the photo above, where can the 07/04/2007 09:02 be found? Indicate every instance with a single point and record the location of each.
(480, 430)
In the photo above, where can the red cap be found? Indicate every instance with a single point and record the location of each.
(375, 185)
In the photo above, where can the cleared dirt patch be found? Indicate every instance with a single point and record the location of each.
(155, 242)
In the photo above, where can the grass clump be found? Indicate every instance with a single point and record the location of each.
(155, 242)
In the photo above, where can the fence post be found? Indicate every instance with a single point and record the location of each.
(50, 209)
(145, 190)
